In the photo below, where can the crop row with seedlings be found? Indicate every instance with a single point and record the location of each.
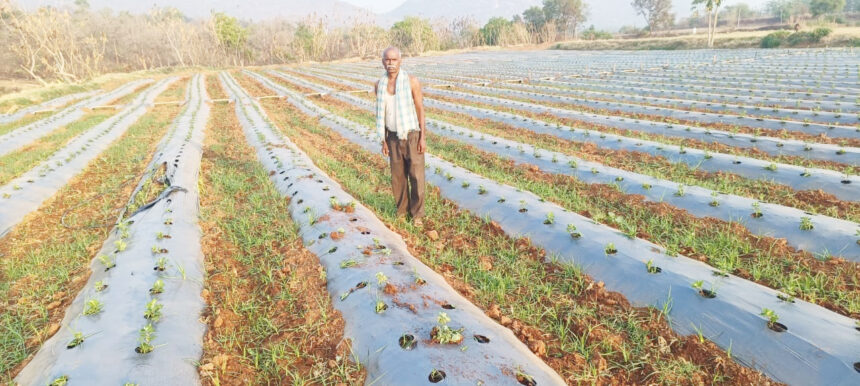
(616, 259)
(726, 246)
(26, 193)
(778, 150)
(46, 256)
(744, 105)
(144, 290)
(390, 301)
(584, 332)
(45, 107)
(22, 136)
(834, 236)
(626, 153)
(271, 320)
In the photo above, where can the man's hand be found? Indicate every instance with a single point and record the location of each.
(422, 145)
(384, 148)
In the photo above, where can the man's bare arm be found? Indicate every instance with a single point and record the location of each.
(418, 97)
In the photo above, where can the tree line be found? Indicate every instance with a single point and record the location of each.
(76, 43)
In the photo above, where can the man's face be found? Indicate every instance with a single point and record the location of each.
(391, 62)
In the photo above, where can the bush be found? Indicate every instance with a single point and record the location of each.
(774, 39)
(821, 32)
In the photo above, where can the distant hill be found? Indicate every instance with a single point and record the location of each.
(246, 10)
(480, 10)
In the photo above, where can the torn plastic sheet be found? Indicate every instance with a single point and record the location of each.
(771, 145)
(47, 105)
(25, 135)
(27, 192)
(373, 257)
(819, 346)
(828, 235)
(166, 230)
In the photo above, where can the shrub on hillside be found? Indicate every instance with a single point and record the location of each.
(774, 39)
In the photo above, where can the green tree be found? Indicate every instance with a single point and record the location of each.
(655, 12)
(534, 18)
(230, 34)
(495, 28)
(826, 7)
(414, 35)
(567, 14)
(713, 9)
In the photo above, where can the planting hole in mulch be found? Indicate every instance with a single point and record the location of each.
(501, 200)
(756, 215)
(436, 376)
(777, 326)
(846, 182)
(332, 250)
(720, 274)
(525, 379)
(407, 341)
(523, 210)
(300, 201)
(481, 339)
(708, 294)
(448, 306)
(736, 162)
(361, 285)
(353, 219)
(654, 270)
(857, 367)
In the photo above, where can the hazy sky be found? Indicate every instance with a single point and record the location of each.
(378, 6)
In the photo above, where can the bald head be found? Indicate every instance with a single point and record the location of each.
(391, 61)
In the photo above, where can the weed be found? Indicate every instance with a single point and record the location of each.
(806, 224)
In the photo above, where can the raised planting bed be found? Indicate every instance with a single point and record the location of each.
(727, 309)
(25, 193)
(136, 320)
(818, 234)
(770, 145)
(373, 280)
(45, 106)
(22, 136)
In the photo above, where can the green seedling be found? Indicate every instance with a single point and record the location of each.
(572, 164)
(144, 340)
(120, 245)
(756, 210)
(681, 191)
(380, 306)
(157, 287)
(772, 167)
(153, 310)
(806, 224)
(448, 176)
(594, 171)
(523, 208)
(646, 186)
(348, 263)
(107, 261)
(482, 190)
(159, 236)
(550, 219)
(465, 184)
(77, 339)
(699, 287)
(93, 307)
(161, 264)
(610, 249)
(381, 279)
(714, 202)
(571, 229)
(443, 334)
(649, 265)
(100, 286)
(62, 380)
(771, 316)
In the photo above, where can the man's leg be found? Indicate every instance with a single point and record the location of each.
(398, 172)
(415, 171)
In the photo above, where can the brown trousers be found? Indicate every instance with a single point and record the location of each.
(407, 173)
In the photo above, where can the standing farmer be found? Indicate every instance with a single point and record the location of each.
(400, 126)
